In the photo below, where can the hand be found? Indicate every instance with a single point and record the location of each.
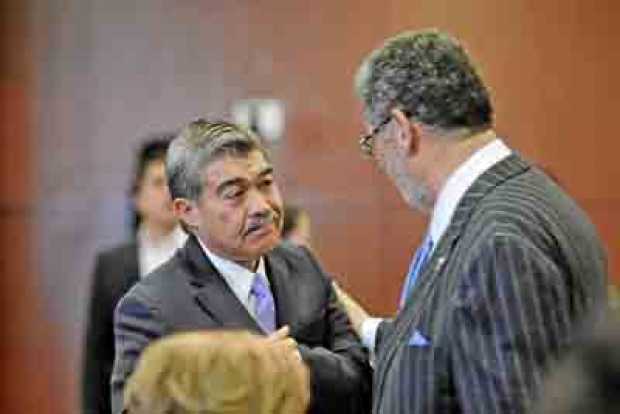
(286, 344)
(354, 310)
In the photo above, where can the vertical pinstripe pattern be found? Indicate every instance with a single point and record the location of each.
(510, 285)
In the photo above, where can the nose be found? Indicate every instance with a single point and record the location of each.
(258, 203)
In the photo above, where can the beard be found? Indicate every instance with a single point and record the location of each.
(413, 191)
(415, 194)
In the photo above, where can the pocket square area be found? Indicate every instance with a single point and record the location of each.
(417, 339)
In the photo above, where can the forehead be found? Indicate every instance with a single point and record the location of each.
(230, 167)
(156, 166)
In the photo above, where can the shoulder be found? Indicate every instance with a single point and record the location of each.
(299, 262)
(115, 269)
(529, 205)
(530, 215)
(295, 256)
(117, 252)
(291, 251)
(157, 285)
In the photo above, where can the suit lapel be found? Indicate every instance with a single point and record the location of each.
(211, 291)
(490, 179)
(284, 291)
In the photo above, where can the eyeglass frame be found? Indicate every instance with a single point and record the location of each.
(366, 140)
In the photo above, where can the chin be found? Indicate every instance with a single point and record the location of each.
(265, 246)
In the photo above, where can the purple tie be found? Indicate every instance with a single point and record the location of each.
(264, 306)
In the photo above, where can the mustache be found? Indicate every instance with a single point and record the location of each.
(262, 219)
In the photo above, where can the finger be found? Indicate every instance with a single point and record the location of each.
(290, 349)
(280, 334)
(290, 343)
(341, 294)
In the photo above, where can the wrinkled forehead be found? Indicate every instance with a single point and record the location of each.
(226, 167)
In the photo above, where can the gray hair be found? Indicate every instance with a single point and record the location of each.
(200, 143)
(429, 76)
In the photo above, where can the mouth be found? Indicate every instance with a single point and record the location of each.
(261, 226)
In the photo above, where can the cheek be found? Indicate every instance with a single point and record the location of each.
(276, 200)
(232, 222)
(158, 200)
(144, 201)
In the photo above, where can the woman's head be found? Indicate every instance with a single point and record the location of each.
(216, 372)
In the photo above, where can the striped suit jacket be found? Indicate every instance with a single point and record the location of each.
(509, 287)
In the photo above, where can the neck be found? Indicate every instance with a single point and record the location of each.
(251, 265)
(447, 155)
(156, 232)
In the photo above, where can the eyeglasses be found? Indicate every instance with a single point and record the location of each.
(367, 141)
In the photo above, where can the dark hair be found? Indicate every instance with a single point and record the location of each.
(292, 215)
(428, 75)
(152, 149)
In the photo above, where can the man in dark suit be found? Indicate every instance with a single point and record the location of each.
(234, 273)
(510, 271)
(117, 269)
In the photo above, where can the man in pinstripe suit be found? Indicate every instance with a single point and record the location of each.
(511, 270)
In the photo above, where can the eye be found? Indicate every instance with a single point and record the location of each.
(265, 183)
(233, 193)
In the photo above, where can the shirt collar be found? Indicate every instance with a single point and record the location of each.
(459, 182)
(238, 278)
(153, 253)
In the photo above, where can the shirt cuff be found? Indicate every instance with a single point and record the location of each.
(369, 332)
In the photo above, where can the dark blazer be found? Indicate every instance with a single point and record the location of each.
(187, 293)
(509, 287)
(116, 270)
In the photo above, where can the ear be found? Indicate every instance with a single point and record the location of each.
(186, 211)
(409, 132)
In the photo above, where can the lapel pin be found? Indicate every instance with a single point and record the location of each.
(440, 263)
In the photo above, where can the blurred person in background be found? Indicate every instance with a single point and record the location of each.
(588, 381)
(233, 272)
(217, 373)
(511, 271)
(297, 227)
(157, 236)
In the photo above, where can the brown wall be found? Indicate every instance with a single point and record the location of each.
(550, 65)
(106, 73)
(31, 375)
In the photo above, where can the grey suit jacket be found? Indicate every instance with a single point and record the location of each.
(187, 293)
(509, 287)
(116, 270)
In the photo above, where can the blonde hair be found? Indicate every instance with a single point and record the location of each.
(216, 373)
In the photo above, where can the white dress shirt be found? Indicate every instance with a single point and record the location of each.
(238, 278)
(152, 254)
(449, 197)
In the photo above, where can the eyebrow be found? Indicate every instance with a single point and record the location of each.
(241, 181)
